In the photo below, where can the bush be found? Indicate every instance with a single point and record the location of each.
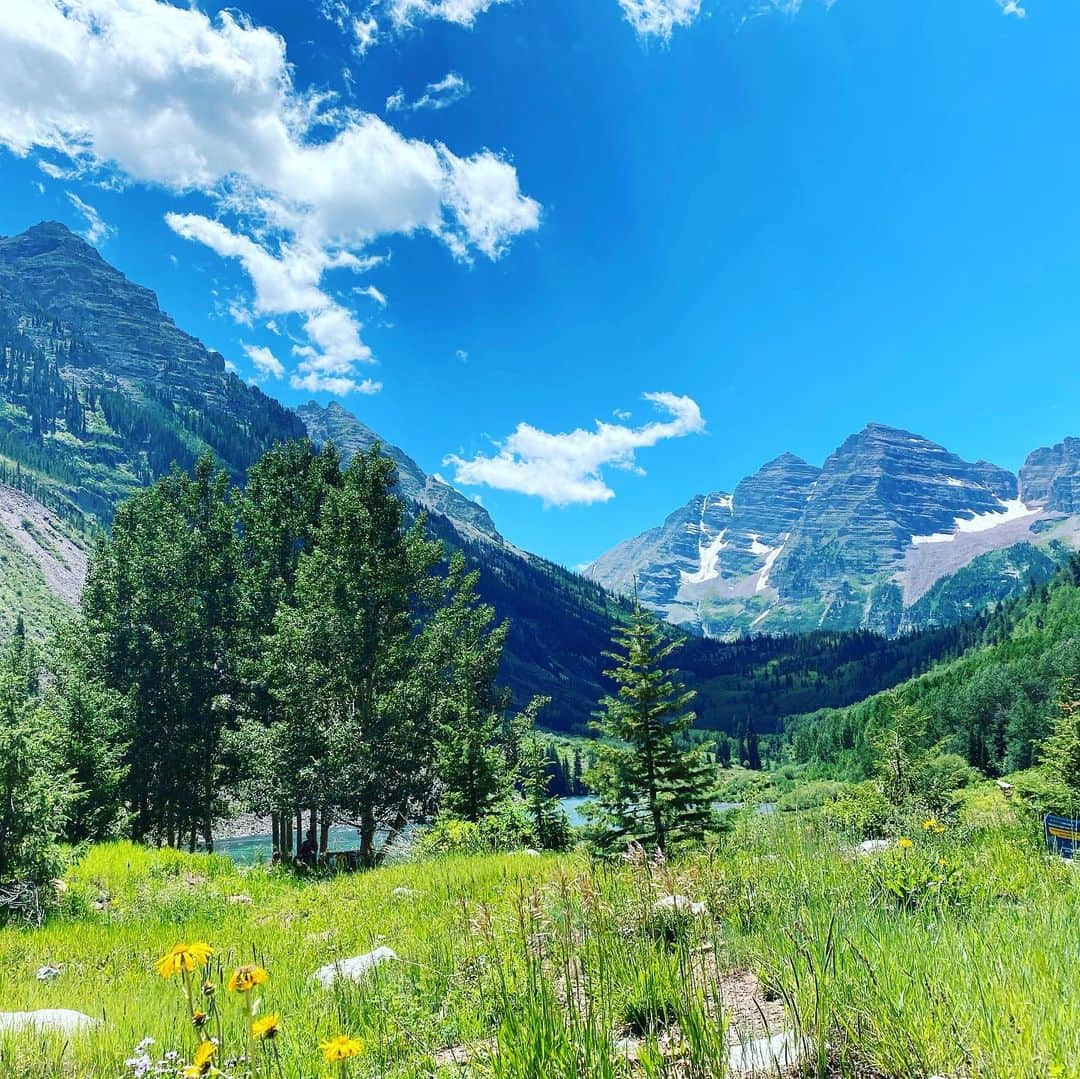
(508, 827)
(862, 808)
(940, 776)
(811, 795)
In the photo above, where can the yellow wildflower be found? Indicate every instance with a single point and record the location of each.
(932, 824)
(203, 1061)
(183, 959)
(198, 1019)
(245, 978)
(903, 843)
(267, 1027)
(341, 1048)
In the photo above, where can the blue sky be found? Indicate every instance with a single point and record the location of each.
(785, 219)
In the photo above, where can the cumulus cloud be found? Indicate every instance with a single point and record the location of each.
(146, 91)
(1012, 7)
(658, 18)
(463, 12)
(567, 469)
(437, 95)
(266, 363)
(96, 231)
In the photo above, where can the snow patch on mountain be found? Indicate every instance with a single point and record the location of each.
(709, 556)
(770, 558)
(1012, 510)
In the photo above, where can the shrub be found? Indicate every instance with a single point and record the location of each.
(861, 808)
(812, 795)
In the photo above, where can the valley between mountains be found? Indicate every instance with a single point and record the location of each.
(101, 393)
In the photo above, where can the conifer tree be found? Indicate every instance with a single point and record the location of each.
(650, 788)
(1061, 750)
(351, 659)
(465, 650)
(36, 791)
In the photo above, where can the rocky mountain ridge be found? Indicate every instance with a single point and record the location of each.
(892, 532)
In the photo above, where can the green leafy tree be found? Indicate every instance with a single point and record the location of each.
(158, 613)
(650, 788)
(1061, 750)
(899, 747)
(278, 512)
(94, 723)
(465, 648)
(353, 669)
(36, 790)
(550, 827)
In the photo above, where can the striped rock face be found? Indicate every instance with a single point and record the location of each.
(893, 532)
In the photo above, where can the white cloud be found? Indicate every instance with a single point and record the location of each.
(365, 34)
(150, 92)
(96, 231)
(462, 355)
(462, 12)
(437, 95)
(363, 29)
(622, 414)
(265, 361)
(658, 18)
(340, 387)
(1012, 7)
(566, 469)
(373, 293)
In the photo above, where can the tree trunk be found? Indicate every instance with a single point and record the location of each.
(324, 831)
(367, 836)
(299, 831)
(275, 832)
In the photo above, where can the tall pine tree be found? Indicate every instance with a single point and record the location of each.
(650, 788)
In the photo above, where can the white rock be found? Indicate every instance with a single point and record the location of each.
(354, 969)
(48, 1019)
(767, 1055)
(47, 973)
(681, 905)
(872, 846)
(531, 852)
(404, 893)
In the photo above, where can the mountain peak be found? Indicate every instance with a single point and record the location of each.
(335, 423)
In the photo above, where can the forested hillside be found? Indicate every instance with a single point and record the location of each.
(100, 392)
(993, 706)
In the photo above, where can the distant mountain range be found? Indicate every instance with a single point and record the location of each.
(100, 393)
(893, 532)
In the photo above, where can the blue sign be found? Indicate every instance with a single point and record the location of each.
(1062, 835)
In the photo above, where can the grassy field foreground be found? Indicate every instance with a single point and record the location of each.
(956, 955)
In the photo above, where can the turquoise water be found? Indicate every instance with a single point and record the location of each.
(256, 849)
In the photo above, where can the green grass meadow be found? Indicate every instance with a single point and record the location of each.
(957, 956)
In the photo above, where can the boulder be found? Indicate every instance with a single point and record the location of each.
(354, 969)
(47, 973)
(681, 906)
(872, 846)
(47, 1020)
(768, 1056)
